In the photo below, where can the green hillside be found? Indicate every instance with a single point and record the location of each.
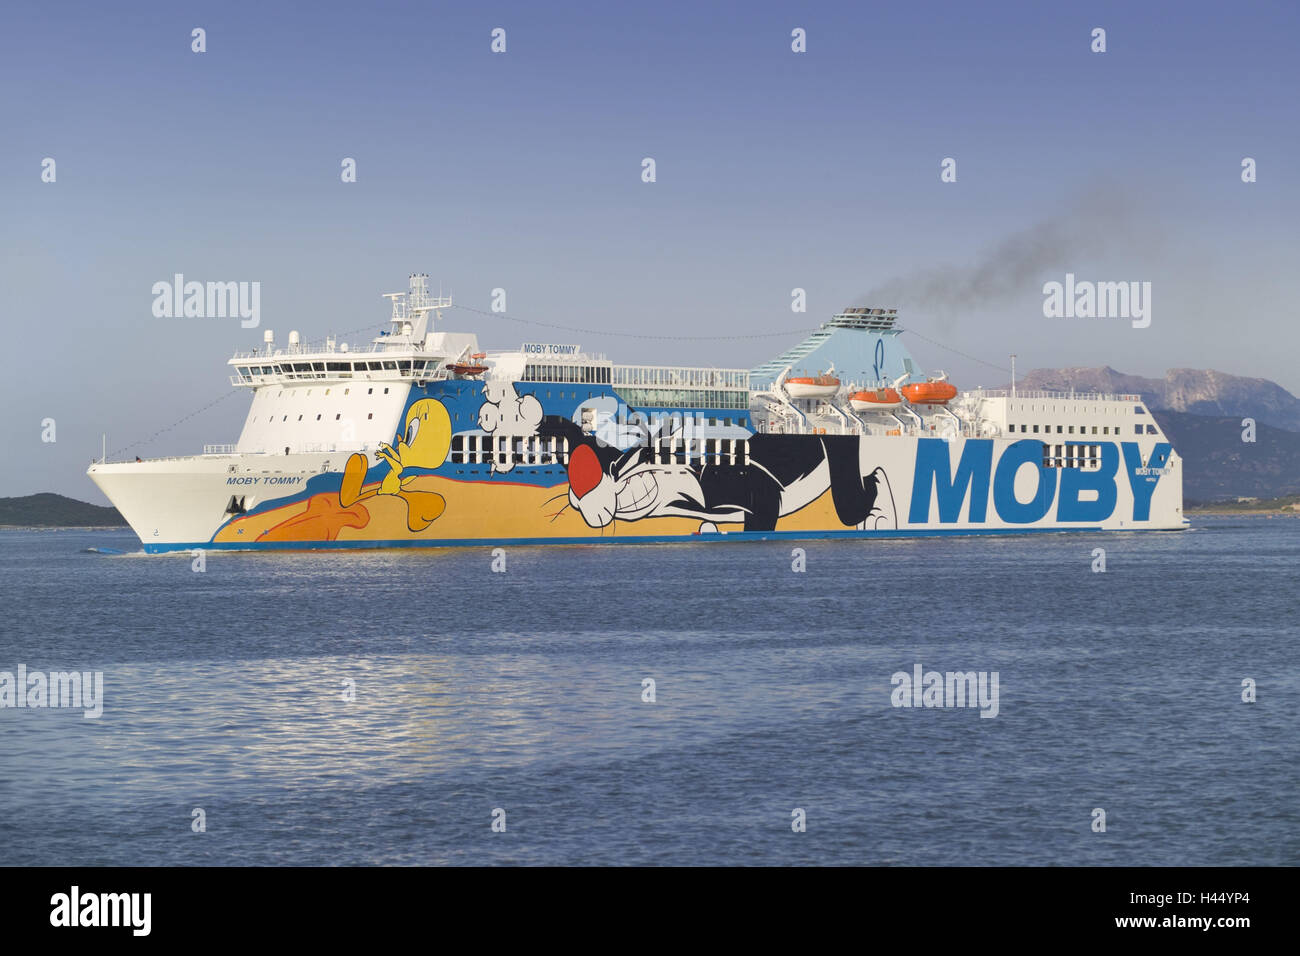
(55, 511)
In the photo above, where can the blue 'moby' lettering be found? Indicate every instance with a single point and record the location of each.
(933, 475)
(935, 479)
(1144, 485)
(1102, 481)
(1009, 508)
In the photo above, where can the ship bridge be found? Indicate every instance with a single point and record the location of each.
(409, 349)
(333, 397)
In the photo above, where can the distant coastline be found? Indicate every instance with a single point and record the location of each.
(48, 510)
(1288, 505)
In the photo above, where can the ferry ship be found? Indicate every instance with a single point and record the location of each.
(422, 438)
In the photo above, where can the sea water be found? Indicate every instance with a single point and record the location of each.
(419, 707)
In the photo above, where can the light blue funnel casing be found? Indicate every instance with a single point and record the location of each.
(862, 346)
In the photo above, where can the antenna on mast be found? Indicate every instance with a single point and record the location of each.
(421, 303)
(411, 309)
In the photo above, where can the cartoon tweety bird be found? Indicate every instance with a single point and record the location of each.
(424, 444)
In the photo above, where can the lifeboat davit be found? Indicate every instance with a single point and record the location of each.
(875, 400)
(812, 386)
(930, 393)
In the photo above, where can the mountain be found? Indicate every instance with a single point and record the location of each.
(55, 511)
(1201, 412)
(1195, 391)
(1217, 464)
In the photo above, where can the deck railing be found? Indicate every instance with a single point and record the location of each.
(1054, 394)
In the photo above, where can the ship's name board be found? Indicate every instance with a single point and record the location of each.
(1084, 495)
(270, 480)
(550, 349)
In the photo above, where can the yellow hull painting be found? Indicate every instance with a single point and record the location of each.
(488, 510)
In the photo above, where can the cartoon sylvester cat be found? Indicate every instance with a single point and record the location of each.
(779, 475)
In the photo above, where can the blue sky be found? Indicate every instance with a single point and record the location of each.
(522, 170)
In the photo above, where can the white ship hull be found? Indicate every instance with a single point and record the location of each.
(181, 504)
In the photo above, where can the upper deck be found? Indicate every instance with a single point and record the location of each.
(858, 349)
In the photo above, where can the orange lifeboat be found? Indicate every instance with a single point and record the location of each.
(467, 368)
(930, 393)
(875, 399)
(812, 386)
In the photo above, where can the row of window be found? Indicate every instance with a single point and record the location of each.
(1108, 408)
(346, 391)
(652, 375)
(670, 422)
(1138, 429)
(1072, 456)
(588, 419)
(581, 374)
(337, 417)
(405, 367)
(684, 397)
(285, 418)
(539, 450)
(718, 451)
(503, 449)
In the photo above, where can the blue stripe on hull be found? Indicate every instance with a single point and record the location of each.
(621, 539)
